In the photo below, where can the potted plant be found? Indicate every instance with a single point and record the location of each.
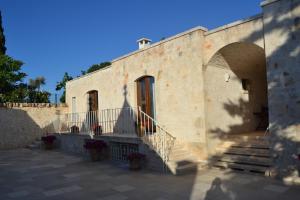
(48, 141)
(96, 148)
(136, 160)
(74, 129)
(97, 129)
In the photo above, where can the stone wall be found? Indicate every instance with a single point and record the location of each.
(22, 123)
(73, 144)
(282, 35)
(176, 65)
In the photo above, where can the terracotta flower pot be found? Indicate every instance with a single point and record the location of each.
(135, 164)
(94, 154)
(49, 146)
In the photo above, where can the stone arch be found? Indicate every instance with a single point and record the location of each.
(248, 30)
(235, 85)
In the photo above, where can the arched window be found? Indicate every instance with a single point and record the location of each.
(145, 95)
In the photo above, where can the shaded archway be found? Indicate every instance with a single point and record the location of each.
(235, 85)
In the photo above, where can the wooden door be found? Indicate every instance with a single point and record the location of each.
(145, 100)
(145, 95)
(93, 101)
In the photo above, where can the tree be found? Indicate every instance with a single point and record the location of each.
(2, 38)
(96, 67)
(35, 95)
(62, 86)
(10, 79)
(37, 82)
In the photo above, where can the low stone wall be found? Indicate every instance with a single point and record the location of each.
(73, 143)
(22, 123)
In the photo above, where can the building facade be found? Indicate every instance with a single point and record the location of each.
(205, 85)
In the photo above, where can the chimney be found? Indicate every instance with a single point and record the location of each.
(144, 42)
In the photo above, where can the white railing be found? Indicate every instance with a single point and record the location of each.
(155, 136)
(107, 121)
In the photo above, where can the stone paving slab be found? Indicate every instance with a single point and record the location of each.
(52, 175)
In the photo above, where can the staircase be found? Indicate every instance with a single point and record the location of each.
(167, 153)
(244, 153)
(182, 160)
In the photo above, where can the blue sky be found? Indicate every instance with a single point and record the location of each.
(56, 36)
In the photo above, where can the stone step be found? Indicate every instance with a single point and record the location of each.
(182, 167)
(181, 157)
(179, 152)
(259, 144)
(245, 151)
(251, 140)
(238, 159)
(243, 167)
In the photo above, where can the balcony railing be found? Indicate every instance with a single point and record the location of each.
(106, 122)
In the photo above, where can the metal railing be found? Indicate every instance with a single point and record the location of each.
(119, 121)
(155, 136)
(107, 121)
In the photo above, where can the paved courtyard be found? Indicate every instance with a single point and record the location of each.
(31, 175)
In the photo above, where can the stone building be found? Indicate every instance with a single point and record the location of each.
(238, 83)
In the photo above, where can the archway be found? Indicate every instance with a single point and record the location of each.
(235, 85)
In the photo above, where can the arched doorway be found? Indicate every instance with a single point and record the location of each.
(145, 95)
(92, 116)
(146, 103)
(92, 100)
(235, 84)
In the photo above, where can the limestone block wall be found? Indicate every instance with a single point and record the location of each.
(21, 124)
(282, 35)
(176, 65)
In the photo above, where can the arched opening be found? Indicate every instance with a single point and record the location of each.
(92, 100)
(146, 95)
(236, 99)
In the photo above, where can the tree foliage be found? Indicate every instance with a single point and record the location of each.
(37, 83)
(96, 67)
(12, 87)
(35, 94)
(11, 79)
(62, 86)
(2, 38)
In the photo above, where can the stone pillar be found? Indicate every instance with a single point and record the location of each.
(281, 20)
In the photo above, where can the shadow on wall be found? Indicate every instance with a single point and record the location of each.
(18, 129)
(126, 120)
(283, 74)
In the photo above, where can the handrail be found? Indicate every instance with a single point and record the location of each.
(155, 136)
(157, 124)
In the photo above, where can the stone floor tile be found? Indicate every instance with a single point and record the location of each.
(17, 194)
(123, 188)
(54, 192)
(276, 188)
(114, 197)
